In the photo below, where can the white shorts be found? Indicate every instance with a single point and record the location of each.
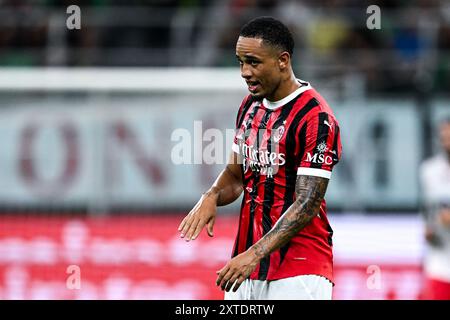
(304, 287)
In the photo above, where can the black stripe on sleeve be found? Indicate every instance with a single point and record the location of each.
(311, 104)
(335, 146)
(322, 137)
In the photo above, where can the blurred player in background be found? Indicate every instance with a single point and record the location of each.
(435, 180)
(287, 142)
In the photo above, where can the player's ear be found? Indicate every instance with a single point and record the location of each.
(283, 60)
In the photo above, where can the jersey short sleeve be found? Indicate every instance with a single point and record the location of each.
(321, 142)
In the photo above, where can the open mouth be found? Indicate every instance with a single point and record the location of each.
(253, 86)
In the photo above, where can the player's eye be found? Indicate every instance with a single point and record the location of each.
(254, 63)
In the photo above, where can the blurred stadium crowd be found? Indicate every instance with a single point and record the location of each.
(332, 40)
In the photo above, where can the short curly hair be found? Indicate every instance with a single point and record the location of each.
(271, 31)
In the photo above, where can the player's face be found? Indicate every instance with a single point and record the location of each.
(259, 67)
(445, 136)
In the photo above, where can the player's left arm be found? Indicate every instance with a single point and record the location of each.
(310, 191)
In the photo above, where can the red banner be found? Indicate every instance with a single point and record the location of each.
(143, 258)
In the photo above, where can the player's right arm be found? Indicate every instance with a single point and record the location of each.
(226, 189)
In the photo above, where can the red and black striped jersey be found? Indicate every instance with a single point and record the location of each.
(277, 141)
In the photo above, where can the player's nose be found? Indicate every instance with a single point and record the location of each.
(245, 72)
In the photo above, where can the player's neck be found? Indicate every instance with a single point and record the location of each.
(285, 89)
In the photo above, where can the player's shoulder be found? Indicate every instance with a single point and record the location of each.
(245, 103)
(312, 104)
(246, 100)
(243, 108)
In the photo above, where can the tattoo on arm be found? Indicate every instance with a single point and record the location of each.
(310, 192)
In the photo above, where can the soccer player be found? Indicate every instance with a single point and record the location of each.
(435, 180)
(287, 142)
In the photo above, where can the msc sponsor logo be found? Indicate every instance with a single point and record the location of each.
(319, 158)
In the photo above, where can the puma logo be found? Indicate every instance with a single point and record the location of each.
(328, 124)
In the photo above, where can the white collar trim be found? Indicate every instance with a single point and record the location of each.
(276, 104)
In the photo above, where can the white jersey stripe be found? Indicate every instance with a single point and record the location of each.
(314, 172)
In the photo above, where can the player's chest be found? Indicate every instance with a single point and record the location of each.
(264, 128)
(262, 139)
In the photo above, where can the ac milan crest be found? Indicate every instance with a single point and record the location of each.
(279, 133)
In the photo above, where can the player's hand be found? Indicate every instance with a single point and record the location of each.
(237, 270)
(204, 212)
